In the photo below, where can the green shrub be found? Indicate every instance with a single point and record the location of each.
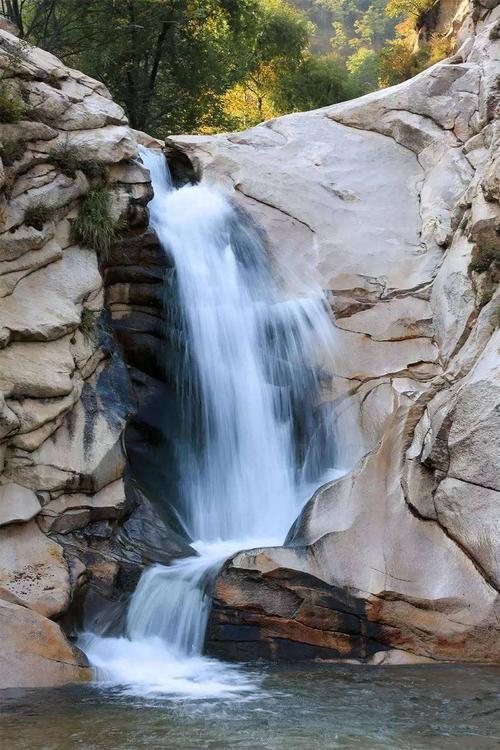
(94, 170)
(88, 323)
(67, 161)
(484, 259)
(94, 227)
(12, 151)
(36, 216)
(12, 108)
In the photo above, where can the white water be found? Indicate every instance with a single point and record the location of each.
(253, 393)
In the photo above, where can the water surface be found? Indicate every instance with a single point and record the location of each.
(326, 707)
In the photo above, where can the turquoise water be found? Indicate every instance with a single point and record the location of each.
(293, 708)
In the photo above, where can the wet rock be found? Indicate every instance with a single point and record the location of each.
(114, 554)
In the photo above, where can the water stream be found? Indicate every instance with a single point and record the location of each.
(257, 442)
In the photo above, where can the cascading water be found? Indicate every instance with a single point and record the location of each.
(254, 446)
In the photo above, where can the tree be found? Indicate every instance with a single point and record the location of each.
(363, 67)
(32, 17)
(397, 62)
(316, 82)
(166, 61)
(170, 63)
(280, 38)
(408, 8)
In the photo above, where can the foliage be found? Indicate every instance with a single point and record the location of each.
(358, 23)
(278, 42)
(209, 65)
(12, 151)
(12, 107)
(408, 8)
(363, 68)
(88, 324)
(377, 39)
(94, 227)
(38, 215)
(244, 107)
(68, 162)
(316, 82)
(400, 60)
(438, 48)
(170, 62)
(397, 62)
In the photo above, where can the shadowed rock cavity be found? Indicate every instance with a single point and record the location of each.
(182, 168)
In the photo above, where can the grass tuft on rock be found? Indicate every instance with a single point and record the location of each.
(38, 215)
(94, 226)
(12, 108)
(88, 324)
(68, 162)
(12, 151)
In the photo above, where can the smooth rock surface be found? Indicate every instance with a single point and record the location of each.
(17, 504)
(34, 652)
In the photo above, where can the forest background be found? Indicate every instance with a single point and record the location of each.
(203, 66)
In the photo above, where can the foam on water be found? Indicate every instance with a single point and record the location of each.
(147, 667)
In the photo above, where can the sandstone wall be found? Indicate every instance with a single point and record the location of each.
(391, 203)
(76, 527)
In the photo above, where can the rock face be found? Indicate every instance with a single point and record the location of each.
(391, 203)
(75, 528)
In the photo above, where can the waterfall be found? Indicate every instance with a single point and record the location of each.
(256, 444)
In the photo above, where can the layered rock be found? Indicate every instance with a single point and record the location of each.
(391, 203)
(75, 528)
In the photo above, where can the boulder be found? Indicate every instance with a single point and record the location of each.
(52, 105)
(69, 512)
(47, 304)
(36, 369)
(17, 504)
(55, 195)
(34, 652)
(393, 320)
(108, 144)
(24, 239)
(9, 422)
(35, 413)
(12, 271)
(469, 513)
(473, 446)
(453, 298)
(327, 239)
(33, 571)
(84, 453)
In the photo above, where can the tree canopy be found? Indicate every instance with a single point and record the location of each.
(208, 65)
